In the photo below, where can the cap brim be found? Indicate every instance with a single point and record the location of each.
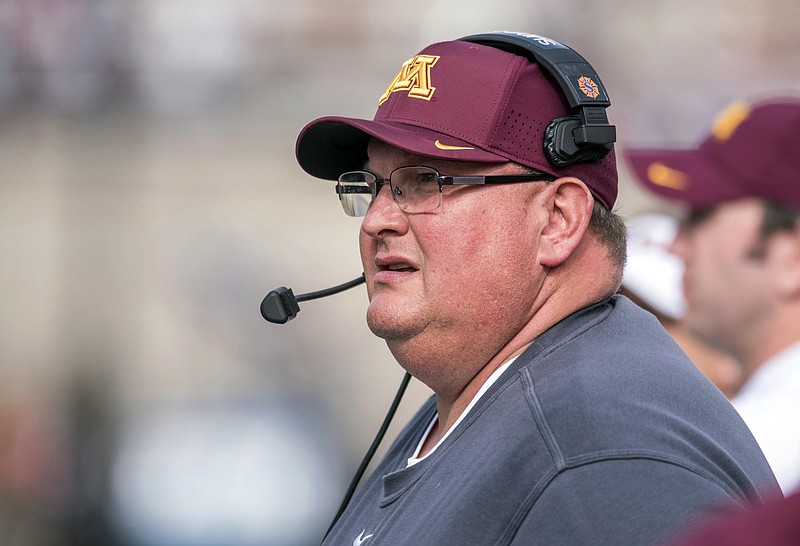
(332, 145)
(687, 176)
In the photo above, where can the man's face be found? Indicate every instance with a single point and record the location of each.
(726, 287)
(465, 274)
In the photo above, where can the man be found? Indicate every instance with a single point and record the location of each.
(562, 414)
(652, 280)
(741, 246)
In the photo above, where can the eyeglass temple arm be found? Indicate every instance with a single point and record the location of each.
(494, 179)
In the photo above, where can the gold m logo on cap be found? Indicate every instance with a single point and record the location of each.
(661, 175)
(414, 77)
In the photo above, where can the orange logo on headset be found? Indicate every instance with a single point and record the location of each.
(588, 87)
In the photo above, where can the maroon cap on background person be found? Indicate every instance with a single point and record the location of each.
(774, 523)
(753, 150)
(472, 103)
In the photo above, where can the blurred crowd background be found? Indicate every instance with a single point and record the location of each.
(149, 199)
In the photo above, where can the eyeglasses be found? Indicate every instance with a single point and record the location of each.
(414, 189)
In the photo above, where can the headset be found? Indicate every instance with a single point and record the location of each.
(584, 136)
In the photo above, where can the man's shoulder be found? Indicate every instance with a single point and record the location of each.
(617, 385)
(609, 338)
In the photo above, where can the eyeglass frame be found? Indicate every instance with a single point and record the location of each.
(442, 180)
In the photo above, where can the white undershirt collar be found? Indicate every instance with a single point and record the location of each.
(414, 459)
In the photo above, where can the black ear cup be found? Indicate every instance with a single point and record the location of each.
(560, 146)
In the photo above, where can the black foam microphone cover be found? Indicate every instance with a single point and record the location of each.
(279, 306)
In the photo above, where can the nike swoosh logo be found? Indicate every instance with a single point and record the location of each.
(448, 147)
(661, 175)
(360, 539)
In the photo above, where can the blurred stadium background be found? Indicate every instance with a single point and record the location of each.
(149, 198)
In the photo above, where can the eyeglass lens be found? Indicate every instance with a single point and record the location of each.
(414, 189)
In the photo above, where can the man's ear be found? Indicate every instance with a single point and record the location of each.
(785, 262)
(569, 205)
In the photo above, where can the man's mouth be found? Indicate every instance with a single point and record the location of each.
(388, 269)
(399, 267)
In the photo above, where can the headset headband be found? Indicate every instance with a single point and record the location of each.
(587, 137)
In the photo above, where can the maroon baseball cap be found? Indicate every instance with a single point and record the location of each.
(753, 150)
(468, 102)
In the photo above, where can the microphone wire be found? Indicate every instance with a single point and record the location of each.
(371, 451)
(332, 290)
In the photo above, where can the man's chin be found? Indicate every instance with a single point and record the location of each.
(391, 326)
(388, 330)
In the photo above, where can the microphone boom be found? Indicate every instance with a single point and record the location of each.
(281, 305)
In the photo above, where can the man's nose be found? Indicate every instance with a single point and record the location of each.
(384, 215)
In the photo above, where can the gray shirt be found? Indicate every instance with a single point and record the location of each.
(602, 432)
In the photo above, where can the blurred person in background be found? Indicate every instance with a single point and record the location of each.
(776, 523)
(35, 476)
(562, 412)
(741, 246)
(652, 279)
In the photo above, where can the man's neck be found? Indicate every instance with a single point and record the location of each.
(771, 348)
(450, 408)
(446, 422)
